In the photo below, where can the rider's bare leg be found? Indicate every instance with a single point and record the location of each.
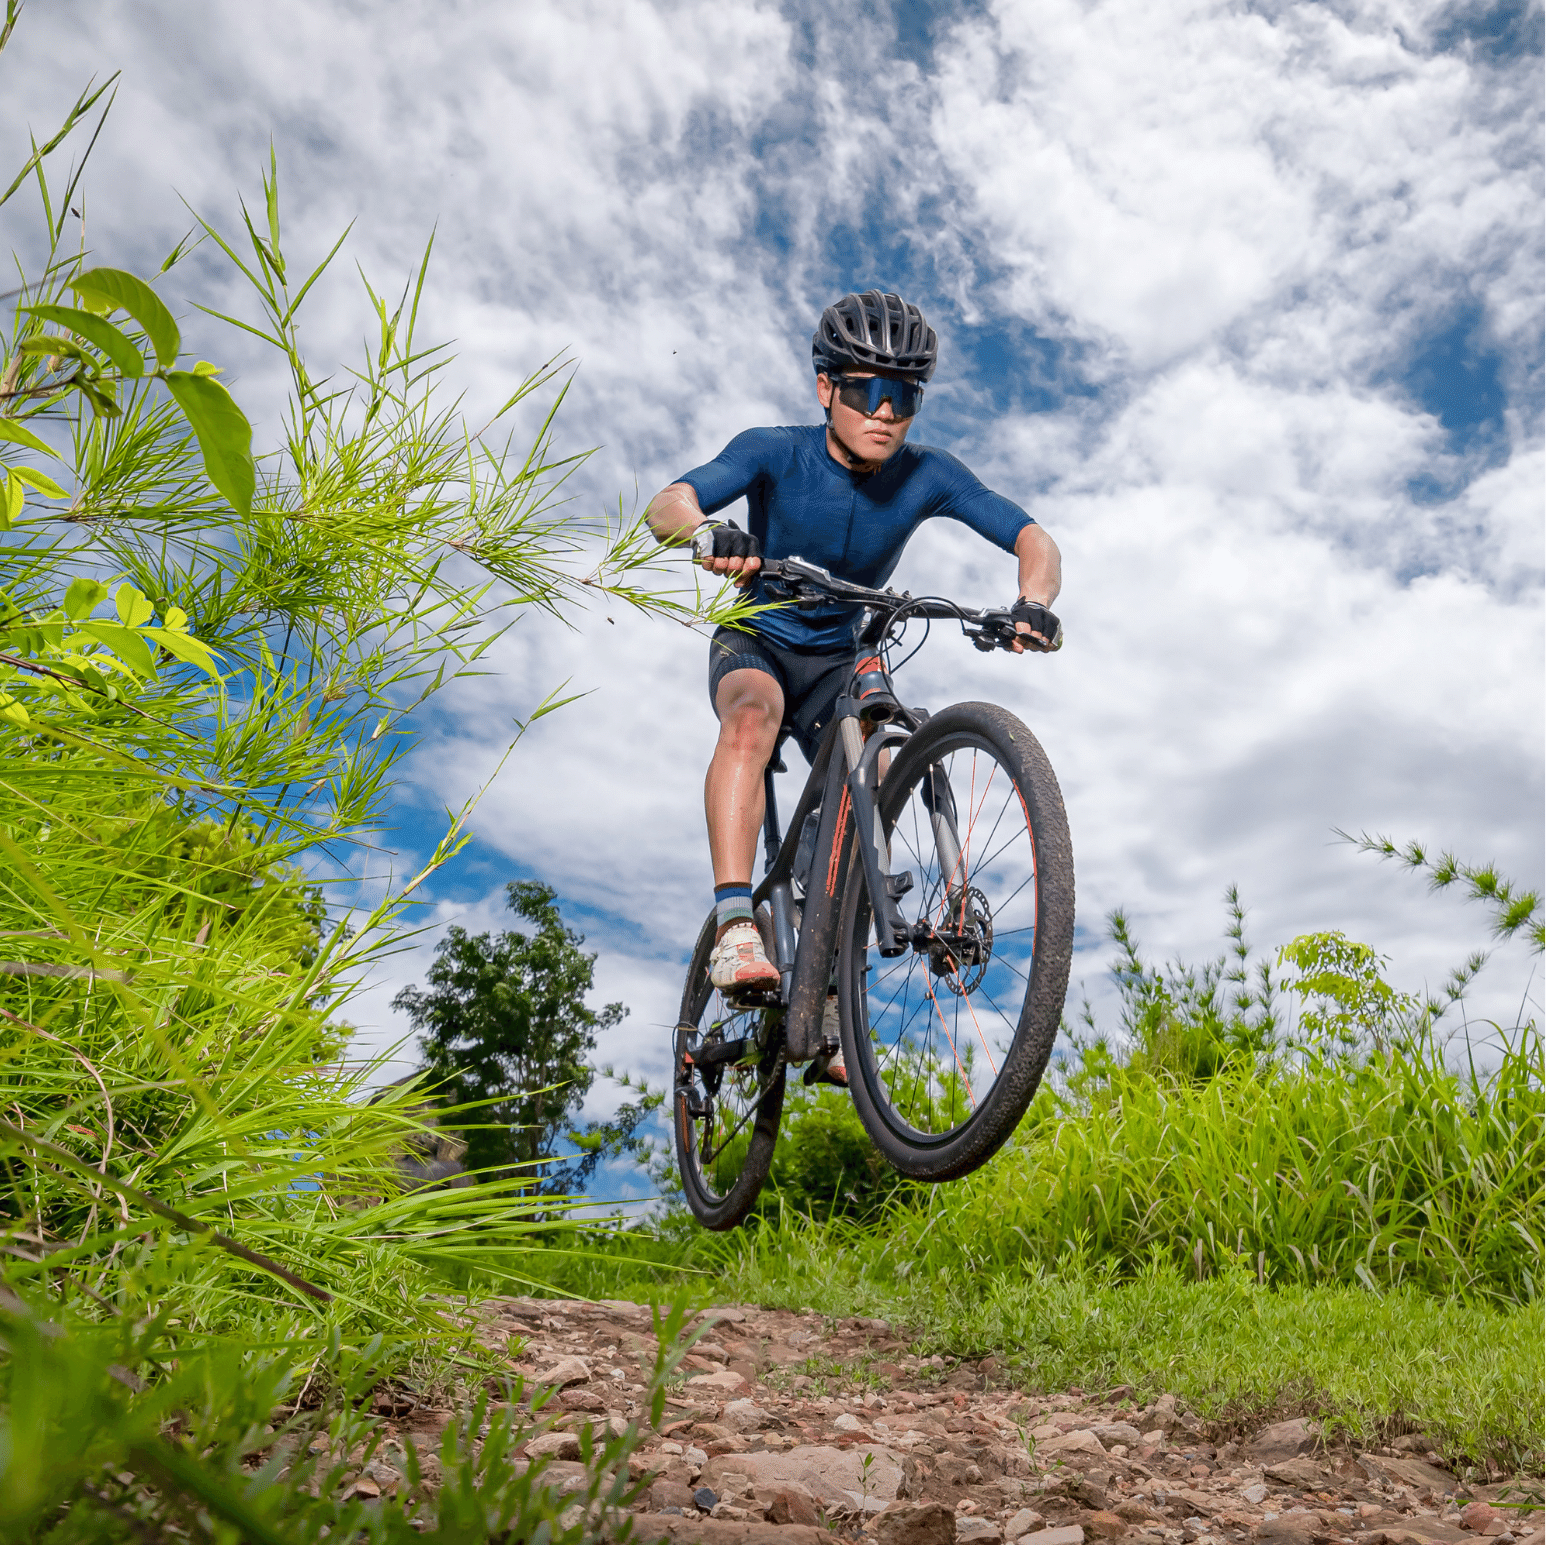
(750, 705)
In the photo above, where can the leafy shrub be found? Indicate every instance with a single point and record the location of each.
(825, 1165)
(210, 666)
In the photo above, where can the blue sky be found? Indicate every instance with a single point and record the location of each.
(1242, 301)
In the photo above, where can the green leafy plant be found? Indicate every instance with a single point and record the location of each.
(1347, 1001)
(212, 657)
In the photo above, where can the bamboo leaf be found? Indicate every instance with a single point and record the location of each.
(99, 394)
(51, 344)
(187, 649)
(97, 330)
(224, 435)
(38, 480)
(111, 289)
(126, 643)
(133, 606)
(21, 435)
(83, 596)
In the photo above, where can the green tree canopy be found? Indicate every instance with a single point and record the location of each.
(506, 1027)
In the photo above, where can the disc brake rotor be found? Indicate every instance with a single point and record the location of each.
(962, 946)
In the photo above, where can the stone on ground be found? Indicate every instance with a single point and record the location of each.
(915, 1523)
(658, 1528)
(1283, 1440)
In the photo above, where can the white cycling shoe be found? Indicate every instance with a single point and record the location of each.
(739, 962)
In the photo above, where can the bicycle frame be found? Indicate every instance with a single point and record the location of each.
(845, 782)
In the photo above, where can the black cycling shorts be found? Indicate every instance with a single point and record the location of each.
(812, 683)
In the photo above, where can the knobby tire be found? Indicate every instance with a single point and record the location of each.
(937, 1151)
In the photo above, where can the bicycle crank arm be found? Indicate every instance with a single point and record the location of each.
(724, 1051)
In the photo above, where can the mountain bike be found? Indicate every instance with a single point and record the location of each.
(920, 906)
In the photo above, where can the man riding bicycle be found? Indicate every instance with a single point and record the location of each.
(846, 495)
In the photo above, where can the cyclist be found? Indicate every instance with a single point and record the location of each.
(846, 495)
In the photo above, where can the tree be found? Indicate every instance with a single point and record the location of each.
(507, 1030)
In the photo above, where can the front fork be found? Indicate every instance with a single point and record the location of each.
(893, 933)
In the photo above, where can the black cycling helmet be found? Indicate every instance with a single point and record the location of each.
(874, 331)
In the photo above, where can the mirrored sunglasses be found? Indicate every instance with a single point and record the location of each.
(864, 394)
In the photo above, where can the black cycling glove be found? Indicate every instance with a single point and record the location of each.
(1039, 619)
(725, 540)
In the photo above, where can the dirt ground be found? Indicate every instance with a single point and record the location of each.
(793, 1429)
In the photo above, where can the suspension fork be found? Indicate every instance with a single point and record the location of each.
(941, 805)
(893, 934)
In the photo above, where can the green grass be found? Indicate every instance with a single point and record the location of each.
(1238, 1353)
(1392, 1169)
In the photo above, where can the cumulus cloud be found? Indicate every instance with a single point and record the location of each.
(1242, 301)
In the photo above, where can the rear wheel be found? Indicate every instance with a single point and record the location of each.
(728, 1093)
(946, 1044)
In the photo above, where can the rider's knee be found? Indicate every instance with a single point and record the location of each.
(750, 722)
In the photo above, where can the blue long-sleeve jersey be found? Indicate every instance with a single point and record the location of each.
(802, 502)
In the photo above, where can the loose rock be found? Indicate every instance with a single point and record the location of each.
(1023, 1522)
(1296, 1472)
(1078, 1442)
(1117, 1432)
(789, 1505)
(664, 1494)
(1286, 1529)
(915, 1523)
(654, 1528)
(567, 1370)
(726, 1381)
(744, 1415)
(1421, 1476)
(1283, 1440)
(555, 1445)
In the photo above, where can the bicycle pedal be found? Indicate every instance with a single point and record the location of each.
(753, 998)
(816, 1073)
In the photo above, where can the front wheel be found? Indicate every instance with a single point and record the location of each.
(727, 1094)
(946, 1044)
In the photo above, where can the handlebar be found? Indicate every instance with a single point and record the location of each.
(808, 584)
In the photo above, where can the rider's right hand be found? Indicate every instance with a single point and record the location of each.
(1037, 625)
(726, 549)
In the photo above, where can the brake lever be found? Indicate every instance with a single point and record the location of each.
(998, 632)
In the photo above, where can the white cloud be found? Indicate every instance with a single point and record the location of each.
(1239, 221)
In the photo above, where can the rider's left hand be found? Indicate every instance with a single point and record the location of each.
(1043, 632)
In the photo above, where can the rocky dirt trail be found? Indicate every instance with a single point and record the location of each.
(788, 1429)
